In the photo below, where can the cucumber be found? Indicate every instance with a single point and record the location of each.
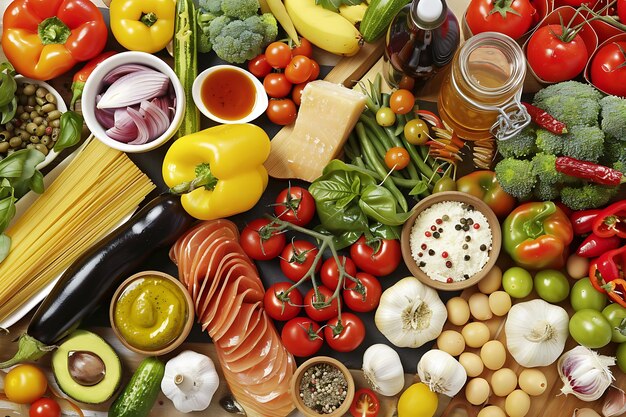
(378, 16)
(141, 392)
(186, 62)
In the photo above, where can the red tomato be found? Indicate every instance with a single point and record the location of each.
(301, 336)
(346, 337)
(380, 263)
(259, 242)
(554, 60)
(299, 69)
(401, 101)
(365, 404)
(608, 69)
(486, 16)
(315, 72)
(297, 259)
(281, 111)
(576, 3)
(296, 93)
(44, 407)
(330, 272)
(312, 304)
(367, 301)
(621, 10)
(278, 54)
(279, 308)
(397, 158)
(295, 205)
(276, 85)
(259, 66)
(305, 48)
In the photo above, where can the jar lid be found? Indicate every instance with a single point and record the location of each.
(429, 10)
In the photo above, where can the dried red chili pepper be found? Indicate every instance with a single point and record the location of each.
(611, 221)
(545, 120)
(582, 220)
(595, 245)
(589, 171)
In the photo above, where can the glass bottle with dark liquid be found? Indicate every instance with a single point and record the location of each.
(421, 40)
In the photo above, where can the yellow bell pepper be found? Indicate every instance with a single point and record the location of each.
(143, 25)
(218, 170)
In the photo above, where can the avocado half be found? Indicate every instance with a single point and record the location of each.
(87, 368)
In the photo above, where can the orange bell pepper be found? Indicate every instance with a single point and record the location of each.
(45, 38)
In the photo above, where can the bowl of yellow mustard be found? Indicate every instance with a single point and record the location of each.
(151, 313)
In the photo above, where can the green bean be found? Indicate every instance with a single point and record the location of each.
(400, 122)
(415, 155)
(377, 130)
(358, 161)
(354, 142)
(385, 97)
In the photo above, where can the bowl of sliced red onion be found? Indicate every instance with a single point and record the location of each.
(133, 102)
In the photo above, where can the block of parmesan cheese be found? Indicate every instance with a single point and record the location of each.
(328, 113)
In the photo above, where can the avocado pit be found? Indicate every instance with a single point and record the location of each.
(86, 368)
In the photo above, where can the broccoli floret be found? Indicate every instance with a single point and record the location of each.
(212, 6)
(614, 117)
(204, 43)
(569, 89)
(545, 191)
(240, 9)
(240, 40)
(571, 102)
(520, 145)
(544, 167)
(204, 20)
(614, 151)
(516, 177)
(588, 196)
(270, 27)
(550, 143)
(620, 166)
(582, 142)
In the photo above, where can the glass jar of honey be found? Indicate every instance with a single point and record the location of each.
(480, 97)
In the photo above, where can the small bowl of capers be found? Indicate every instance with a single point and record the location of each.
(37, 120)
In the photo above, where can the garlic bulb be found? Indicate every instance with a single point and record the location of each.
(190, 381)
(536, 332)
(383, 369)
(585, 373)
(441, 372)
(614, 402)
(410, 313)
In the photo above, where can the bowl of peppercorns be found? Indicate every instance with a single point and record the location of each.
(322, 386)
(451, 241)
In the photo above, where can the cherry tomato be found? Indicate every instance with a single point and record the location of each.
(608, 68)
(280, 309)
(330, 272)
(621, 10)
(348, 336)
(315, 70)
(44, 407)
(365, 404)
(590, 329)
(259, 66)
(299, 69)
(301, 336)
(259, 242)
(313, 308)
(416, 132)
(297, 259)
(385, 117)
(381, 262)
(397, 158)
(445, 183)
(401, 101)
(295, 205)
(484, 16)
(278, 54)
(554, 60)
(296, 92)
(281, 111)
(366, 301)
(26, 383)
(276, 85)
(305, 48)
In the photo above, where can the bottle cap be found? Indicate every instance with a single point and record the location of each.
(429, 11)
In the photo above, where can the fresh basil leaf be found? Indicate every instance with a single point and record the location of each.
(377, 229)
(337, 220)
(21, 164)
(7, 212)
(329, 4)
(419, 188)
(356, 185)
(346, 239)
(352, 2)
(379, 204)
(71, 130)
(5, 246)
(330, 190)
(36, 182)
(343, 202)
(8, 111)
(8, 86)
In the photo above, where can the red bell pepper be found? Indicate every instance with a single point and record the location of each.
(45, 38)
(594, 245)
(582, 220)
(80, 78)
(606, 274)
(611, 221)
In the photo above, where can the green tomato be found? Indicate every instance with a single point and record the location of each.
(620, 354)
(590, 328)
(517, 282)
(551, 285)
(444, 184)
(583, 295)
(616, 315)
(385, 117)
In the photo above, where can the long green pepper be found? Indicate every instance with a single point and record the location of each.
(186, 62)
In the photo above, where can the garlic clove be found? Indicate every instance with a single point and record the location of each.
(585, 412)
(614, 402)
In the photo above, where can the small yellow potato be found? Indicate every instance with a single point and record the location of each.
(503, 382)
(493, 354)
(517, 404)
(499, 303)
(452, 342)
(577, 267)
(477, 391)
(458, 311)
(491, 411)
(479, 306)
(472, 363)
(533, 382)
(492, 281)
(476, 334)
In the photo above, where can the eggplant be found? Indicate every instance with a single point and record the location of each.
(88, 282)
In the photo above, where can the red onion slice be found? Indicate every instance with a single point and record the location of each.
(143, 132)
(122, 70)
(134, 88)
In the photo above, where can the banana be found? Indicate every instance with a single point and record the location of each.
(280, 13)
(354, 14)
(324, 28)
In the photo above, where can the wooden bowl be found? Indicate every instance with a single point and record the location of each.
(455, 196)
(297, 378)
(188, 320)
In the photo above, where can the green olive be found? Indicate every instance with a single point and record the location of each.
(55, 123)
(9, 126)
(33, 114)
(48, 107)
(42, 148)
(45, 140)
(22, 134)
(41, 130)
(31, 101)
(444, 184)
(53, 115)
(29, 89)
(24, 116)
(15, 142)
(50, 98)
(4, 147)
(34, 139)
(41, 101)
(31, 128)
(41, 92)
(22, 100)
(5, 135)
(38, 120)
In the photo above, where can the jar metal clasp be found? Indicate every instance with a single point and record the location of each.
(512, 118)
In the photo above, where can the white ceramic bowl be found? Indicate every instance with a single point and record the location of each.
(60, 106)
(94, 86)
(260, 103)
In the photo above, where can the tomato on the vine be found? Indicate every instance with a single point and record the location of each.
(278, 54)
(364, 301)
(313, 305)
(555, 56)
(259, 66)
(297, 259)
(281, 111)
(379, 258)
(296, 92)
(260, 242)
(347, 336)
(330, 271)
(44, 407)
(365, 404)
(295, 205)
(305, 48)
(276, 85)
(397, 158)
(511, 18)
(621, 10)
(608, 68)
(301, 336)
(280, 308)
(25, 383)
(401, 101)
(299, 69)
